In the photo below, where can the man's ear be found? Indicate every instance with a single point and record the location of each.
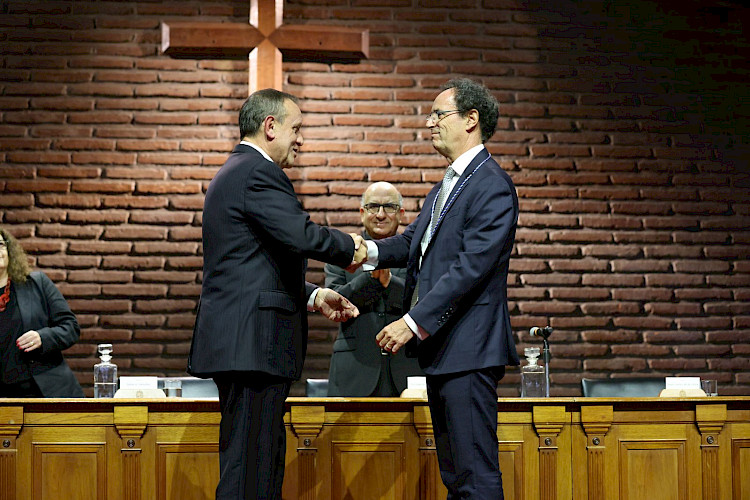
(269, 127)
(472, 120)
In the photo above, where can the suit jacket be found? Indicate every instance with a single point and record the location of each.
(44, 309)
(252, 314)
(356, 361)
(462, 288)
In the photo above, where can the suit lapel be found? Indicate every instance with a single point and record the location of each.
(461, 184)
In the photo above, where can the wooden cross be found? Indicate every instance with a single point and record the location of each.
(265, 39)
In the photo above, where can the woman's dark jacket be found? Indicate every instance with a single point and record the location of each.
(44, 309)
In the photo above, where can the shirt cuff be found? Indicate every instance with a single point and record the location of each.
(416, 329)
(311, 300)
(372, 257)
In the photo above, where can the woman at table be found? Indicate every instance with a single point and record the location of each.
(36, 325)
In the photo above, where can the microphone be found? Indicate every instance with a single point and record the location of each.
(541, 332)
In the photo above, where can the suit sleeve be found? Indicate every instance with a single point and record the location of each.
(394, 250)
(310, 288)
(271, 202)
(62, 330)
(489, 221)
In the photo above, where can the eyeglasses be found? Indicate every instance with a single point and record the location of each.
(389, 208)
(438, 115)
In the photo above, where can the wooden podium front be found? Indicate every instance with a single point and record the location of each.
(369, 449)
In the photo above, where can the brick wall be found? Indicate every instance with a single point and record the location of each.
(624, 128)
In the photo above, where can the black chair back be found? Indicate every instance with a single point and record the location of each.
(316, 388)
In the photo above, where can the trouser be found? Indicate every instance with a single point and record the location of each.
(252, 438)
(464, 420)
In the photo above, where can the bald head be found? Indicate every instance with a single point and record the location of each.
(381, 210)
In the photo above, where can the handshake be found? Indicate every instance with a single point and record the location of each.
(333, 305)
(360, 253)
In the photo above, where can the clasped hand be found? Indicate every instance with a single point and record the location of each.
(360, 252)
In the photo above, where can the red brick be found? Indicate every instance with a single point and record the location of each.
(97, 276)
(127, 201)
(69, 200)
(96, 217)
(616, 364)
(68, 231)
(185, 233)
(91, 186)
(642, 350)
(99, 247)
(163, 335)
(99, 306)
(134, 291)
(104, 158)
(37, 185)
(131, 233)
(132, 321)
(16, 201)
(164, 305)
(150, 248)
(640, 265)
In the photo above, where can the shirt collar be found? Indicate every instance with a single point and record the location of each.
(463, 161)
(257, 148)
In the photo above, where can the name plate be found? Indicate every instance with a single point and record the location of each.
(682, 382)
(682, 387)
(140, 383)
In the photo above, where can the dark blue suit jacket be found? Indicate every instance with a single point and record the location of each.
(256, 240)
(462, 290)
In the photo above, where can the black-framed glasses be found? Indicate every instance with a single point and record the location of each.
(438, 115)
(389, 208)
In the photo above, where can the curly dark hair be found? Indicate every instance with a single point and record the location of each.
(470, 95)
(18, 261)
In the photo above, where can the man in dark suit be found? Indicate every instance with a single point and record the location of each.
(358, 366)
(250, 332)
(457, 253)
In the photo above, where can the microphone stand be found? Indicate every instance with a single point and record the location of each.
(545, 333)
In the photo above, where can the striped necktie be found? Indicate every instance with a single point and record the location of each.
(445, 190)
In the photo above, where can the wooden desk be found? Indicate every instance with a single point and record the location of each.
(368, 449)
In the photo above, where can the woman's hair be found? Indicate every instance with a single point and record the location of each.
(18, 261)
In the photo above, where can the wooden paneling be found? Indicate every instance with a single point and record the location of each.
(187, 471)
(74, 471)
(653, 470)
(368, 470)
(369, 449)
(741, 469)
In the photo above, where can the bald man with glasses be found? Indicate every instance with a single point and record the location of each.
(359, 368)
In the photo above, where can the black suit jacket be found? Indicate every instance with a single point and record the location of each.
(44, 309)
(252, 314)
(356, 360)
(463, 302)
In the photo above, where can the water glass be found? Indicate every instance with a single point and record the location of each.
(173, 388)
(710, 387)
